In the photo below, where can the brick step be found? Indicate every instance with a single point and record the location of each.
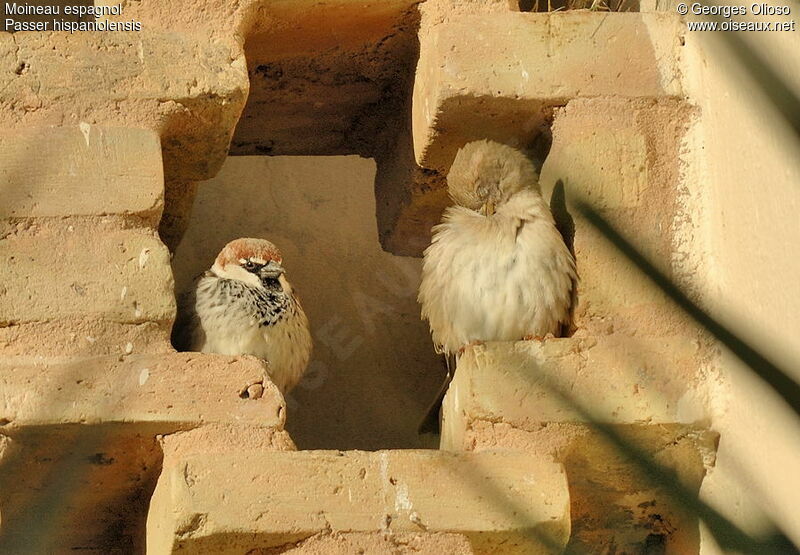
(184, 389)
(505, 395)
(59, 272)
(609, 81)
(461, 94)
(79, 442)
(490, 502)
(622, 379)
(81, 170)
(188, 90)
(82, 268)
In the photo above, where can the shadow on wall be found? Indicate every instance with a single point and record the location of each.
(373, 371)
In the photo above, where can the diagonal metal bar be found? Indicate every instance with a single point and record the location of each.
(777, 378)
(726, 533)
(783, 97)
(786, 101)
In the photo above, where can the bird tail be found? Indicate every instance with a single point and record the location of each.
(431, 422)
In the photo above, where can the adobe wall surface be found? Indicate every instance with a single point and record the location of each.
(543, 397)
(492, 502)
(117, 190)
(746, 241)
(90, 384)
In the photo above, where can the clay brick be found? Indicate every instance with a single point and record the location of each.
(613, 294)
(81, 338)
(75, 488)
(611, 502)
(79, 455)
(251, 500)
(623, 380)
(168, 392)
(119, 276)
(462, 94)
(623, 157)
(86, 488)
(617, 110)
(600, 153)
(621, 152)
(186, 88)
(81, 171)
(503, 396)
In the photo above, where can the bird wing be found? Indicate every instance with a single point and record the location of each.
(439, 286)
(555, 266)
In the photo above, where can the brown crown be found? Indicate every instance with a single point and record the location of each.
(248, 248)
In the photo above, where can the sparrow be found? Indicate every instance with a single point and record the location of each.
(497, 268)
(244, 305)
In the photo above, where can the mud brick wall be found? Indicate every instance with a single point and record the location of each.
(110, 441)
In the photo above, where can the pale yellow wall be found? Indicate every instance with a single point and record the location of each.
(373, 371)
(744, 176)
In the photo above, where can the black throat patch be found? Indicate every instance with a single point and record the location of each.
(268, 305)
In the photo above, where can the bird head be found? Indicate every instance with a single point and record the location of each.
(485, 174)
(256, 262)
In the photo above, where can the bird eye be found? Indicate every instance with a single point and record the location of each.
(249, 265)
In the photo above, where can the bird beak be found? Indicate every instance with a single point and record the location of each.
(488, 208)
(272, 269)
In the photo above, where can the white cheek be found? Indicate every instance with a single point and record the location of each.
(287, 288)
(233, 271)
